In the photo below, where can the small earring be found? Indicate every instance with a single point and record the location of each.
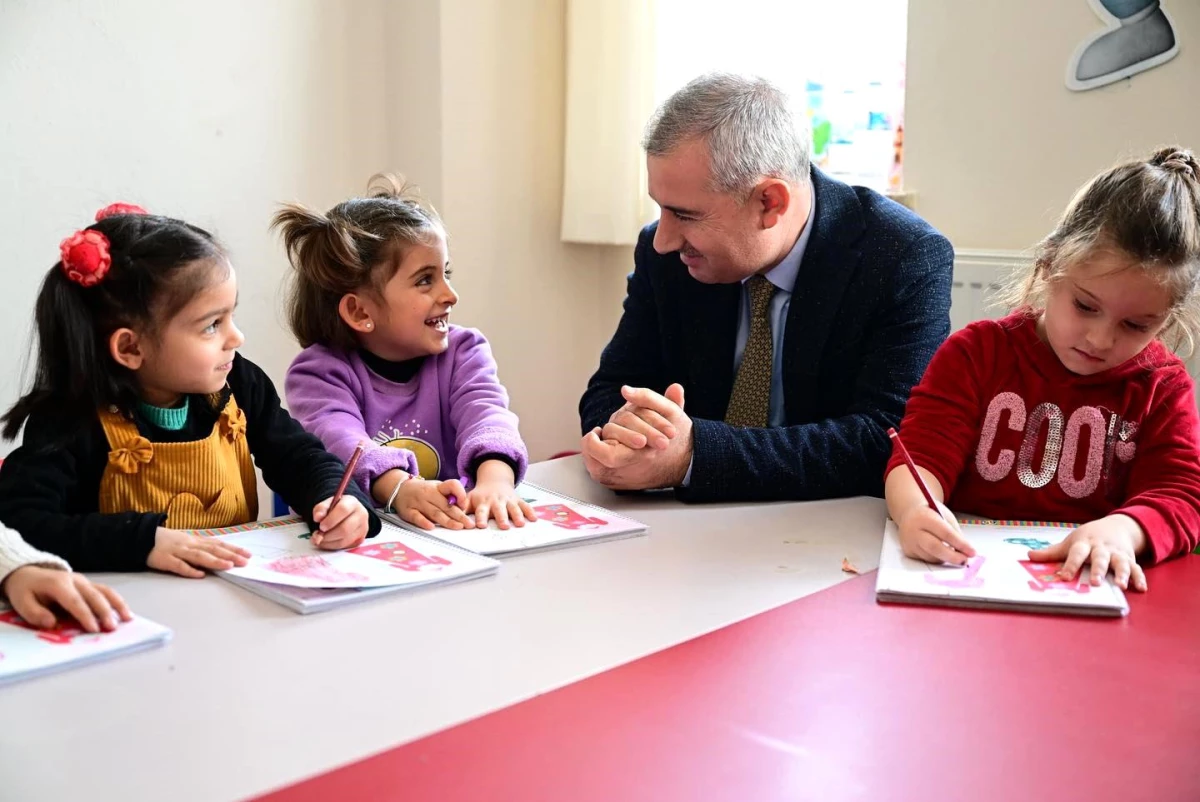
(370, 325)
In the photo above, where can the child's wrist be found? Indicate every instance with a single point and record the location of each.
(405, 479)
(1133, 529)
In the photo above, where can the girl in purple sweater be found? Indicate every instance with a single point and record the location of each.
(370, 302)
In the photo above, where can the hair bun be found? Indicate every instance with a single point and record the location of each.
(392, 186)
(119, 208)
(1177, 160)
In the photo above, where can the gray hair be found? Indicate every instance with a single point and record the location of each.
(749, 124)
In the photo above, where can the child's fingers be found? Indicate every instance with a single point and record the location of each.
(947, 531)
(457, 519)
(1101, 557)
(440, 516)
(453, 487)
(33, 611)
(204, 558)
(1050, 554)
(1122, 567)
(1077, 555)
(500, 513)
(527, 510)
(175, 565)
(515, 513)
(415, 518)
(1137, 578)
(115, 601)
(321, 510)
(350, 532)
(335, 515)
(938, 552)
(229, 555)
(89, 607)
(344, 537)
(482, 513)
(460, 515)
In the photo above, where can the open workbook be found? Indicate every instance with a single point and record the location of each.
(561, 521)
(286, 568)
(999, 576)
(28, 652)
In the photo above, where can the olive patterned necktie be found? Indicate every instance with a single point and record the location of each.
(750, 401)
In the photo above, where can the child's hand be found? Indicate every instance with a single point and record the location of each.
(183, 553)
(426, 503)
(343, 527)
(926, 535)
(1112, 542)
(498, 500)
(34, 591)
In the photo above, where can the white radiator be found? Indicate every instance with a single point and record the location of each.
(977, 276)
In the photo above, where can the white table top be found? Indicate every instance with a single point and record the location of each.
(250, 696)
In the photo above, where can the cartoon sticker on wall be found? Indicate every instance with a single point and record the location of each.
(1140, 36)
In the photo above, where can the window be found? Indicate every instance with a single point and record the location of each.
(842, 60)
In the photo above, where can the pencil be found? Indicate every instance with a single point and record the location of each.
(912, 467)
(341, 490)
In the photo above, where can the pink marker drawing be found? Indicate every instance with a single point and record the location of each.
(968, 578)
(315, 567)
(400, 556)
(1045, 577)
(564, 517)
(63, 634)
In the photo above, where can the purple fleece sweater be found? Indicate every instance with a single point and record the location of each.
(445, 418)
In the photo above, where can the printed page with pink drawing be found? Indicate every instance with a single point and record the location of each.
(999, 576)
(27, 652)
(286, 568)
(561, 521)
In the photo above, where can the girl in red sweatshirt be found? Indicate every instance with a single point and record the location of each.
(1073, 408)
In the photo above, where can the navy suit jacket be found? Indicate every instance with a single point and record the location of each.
(870, 306)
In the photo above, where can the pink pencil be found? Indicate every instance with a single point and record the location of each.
(912, 467)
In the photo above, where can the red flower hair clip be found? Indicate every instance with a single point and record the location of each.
(86, 257)
(119, 208)
(86, 254)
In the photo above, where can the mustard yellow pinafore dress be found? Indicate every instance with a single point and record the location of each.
(199, 484)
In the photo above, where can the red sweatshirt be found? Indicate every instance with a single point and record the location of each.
(1012, 434)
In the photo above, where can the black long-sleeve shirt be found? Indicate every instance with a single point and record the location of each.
(50, 486)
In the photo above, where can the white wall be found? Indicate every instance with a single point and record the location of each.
(212, 112)
(539, 301)
(996, 144)
(483, 137)
(216, 112)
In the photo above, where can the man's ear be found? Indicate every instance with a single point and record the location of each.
(127, 348)
(774, 198)
(355, 313)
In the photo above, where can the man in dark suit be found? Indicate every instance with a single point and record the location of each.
(796, 311)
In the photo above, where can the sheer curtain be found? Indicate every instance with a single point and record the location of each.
(841, 62)
(610, 95)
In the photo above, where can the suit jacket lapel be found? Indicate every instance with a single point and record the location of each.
(829, 263)
(711, 313)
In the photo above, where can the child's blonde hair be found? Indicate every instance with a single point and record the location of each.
(1148, 209)
(350, 248)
